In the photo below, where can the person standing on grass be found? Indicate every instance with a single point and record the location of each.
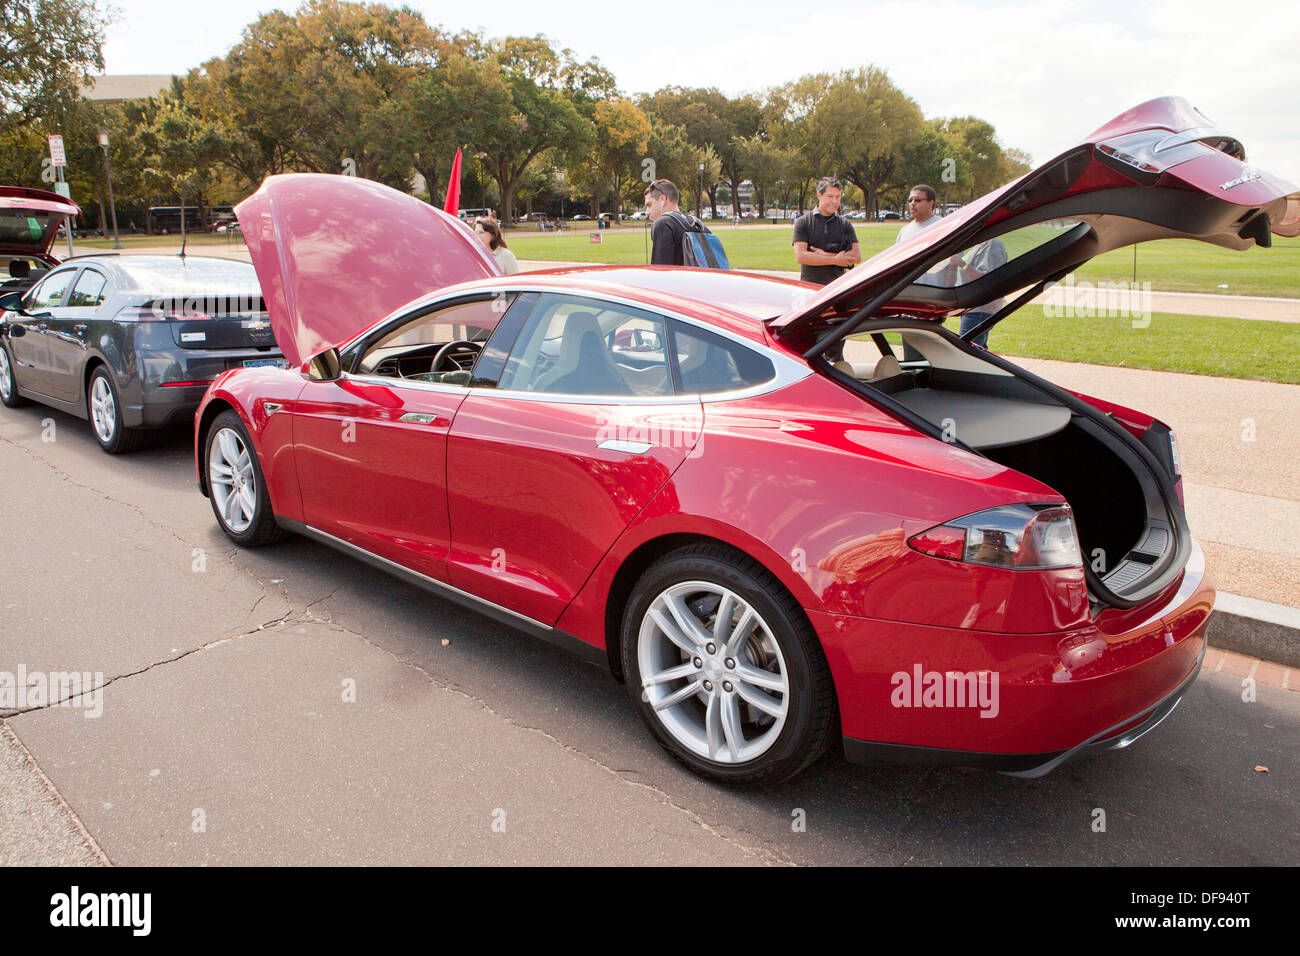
(983, 259)
(825, 243)
(920, 202)
(667, 223)
(489, 233)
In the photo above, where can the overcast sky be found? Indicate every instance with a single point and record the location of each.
(1045, 72)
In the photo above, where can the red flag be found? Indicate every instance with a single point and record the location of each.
(452, 205)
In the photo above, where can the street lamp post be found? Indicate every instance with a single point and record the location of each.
(698, 199)
(108, 174)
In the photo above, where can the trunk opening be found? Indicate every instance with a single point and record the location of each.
(1129, 520)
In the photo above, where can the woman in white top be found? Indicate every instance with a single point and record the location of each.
(489, 233)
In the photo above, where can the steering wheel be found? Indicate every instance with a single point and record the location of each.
(461, 348)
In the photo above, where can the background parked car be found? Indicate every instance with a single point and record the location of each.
(131, 342)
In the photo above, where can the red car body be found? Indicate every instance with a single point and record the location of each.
(504, 502)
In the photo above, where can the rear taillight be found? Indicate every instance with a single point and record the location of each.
(1010, 536)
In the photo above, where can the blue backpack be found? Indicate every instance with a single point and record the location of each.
(700, 248)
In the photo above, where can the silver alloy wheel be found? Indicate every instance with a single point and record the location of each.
(712, 672)
(5, 387)
(103, 410)
(231, 480)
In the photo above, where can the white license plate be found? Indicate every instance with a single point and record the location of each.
(254, 363)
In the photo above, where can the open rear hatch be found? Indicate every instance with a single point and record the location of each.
(1158, 171)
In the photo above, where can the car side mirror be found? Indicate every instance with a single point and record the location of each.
(12, 302)
(325, 367)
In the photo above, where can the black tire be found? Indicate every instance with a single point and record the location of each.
(261, 528)
(106, 423)
(809, 718)
(9, 381)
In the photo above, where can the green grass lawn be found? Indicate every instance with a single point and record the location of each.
(1170, 265)
(1202, 345)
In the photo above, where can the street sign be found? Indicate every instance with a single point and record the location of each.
(63, 189)
(57, 157)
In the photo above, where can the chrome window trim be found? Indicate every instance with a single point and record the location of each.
(788, 370)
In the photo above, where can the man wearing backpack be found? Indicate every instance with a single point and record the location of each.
(825, 244)
(668, 224)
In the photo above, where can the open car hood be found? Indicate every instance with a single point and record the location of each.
(1158, 171)
(334, 254)
(29, 219)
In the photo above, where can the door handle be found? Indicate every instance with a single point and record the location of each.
(632, 447)
(80, 328)
(42, 327)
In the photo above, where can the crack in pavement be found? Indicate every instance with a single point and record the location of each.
(98, 491)
(766, 854)
(264, 626)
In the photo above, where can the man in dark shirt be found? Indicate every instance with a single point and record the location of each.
(825, 244)
(668, 223)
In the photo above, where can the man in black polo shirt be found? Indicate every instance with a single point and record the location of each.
(825, 244)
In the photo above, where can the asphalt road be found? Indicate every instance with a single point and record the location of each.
(225, 736)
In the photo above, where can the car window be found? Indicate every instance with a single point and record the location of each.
(407, 351)
(993, 254)
(577, 346)
(50, 293)
(89, 290)
(708, 363)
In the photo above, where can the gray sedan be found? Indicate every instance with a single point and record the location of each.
(131, 342)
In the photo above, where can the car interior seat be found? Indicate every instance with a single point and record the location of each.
(585, 366)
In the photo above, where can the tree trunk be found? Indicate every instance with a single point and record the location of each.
(713, 198)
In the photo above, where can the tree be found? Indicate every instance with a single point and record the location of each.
(866, 124)
(710, 119)
(981, 154)
(48, 49)
(321, 91)
(934, 157)
(541, 114)
(463, 102)
(768, 164)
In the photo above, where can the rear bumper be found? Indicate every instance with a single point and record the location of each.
(1020, 703)
(1027, 765)
(162, 404)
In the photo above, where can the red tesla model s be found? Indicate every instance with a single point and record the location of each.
(779, 513)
